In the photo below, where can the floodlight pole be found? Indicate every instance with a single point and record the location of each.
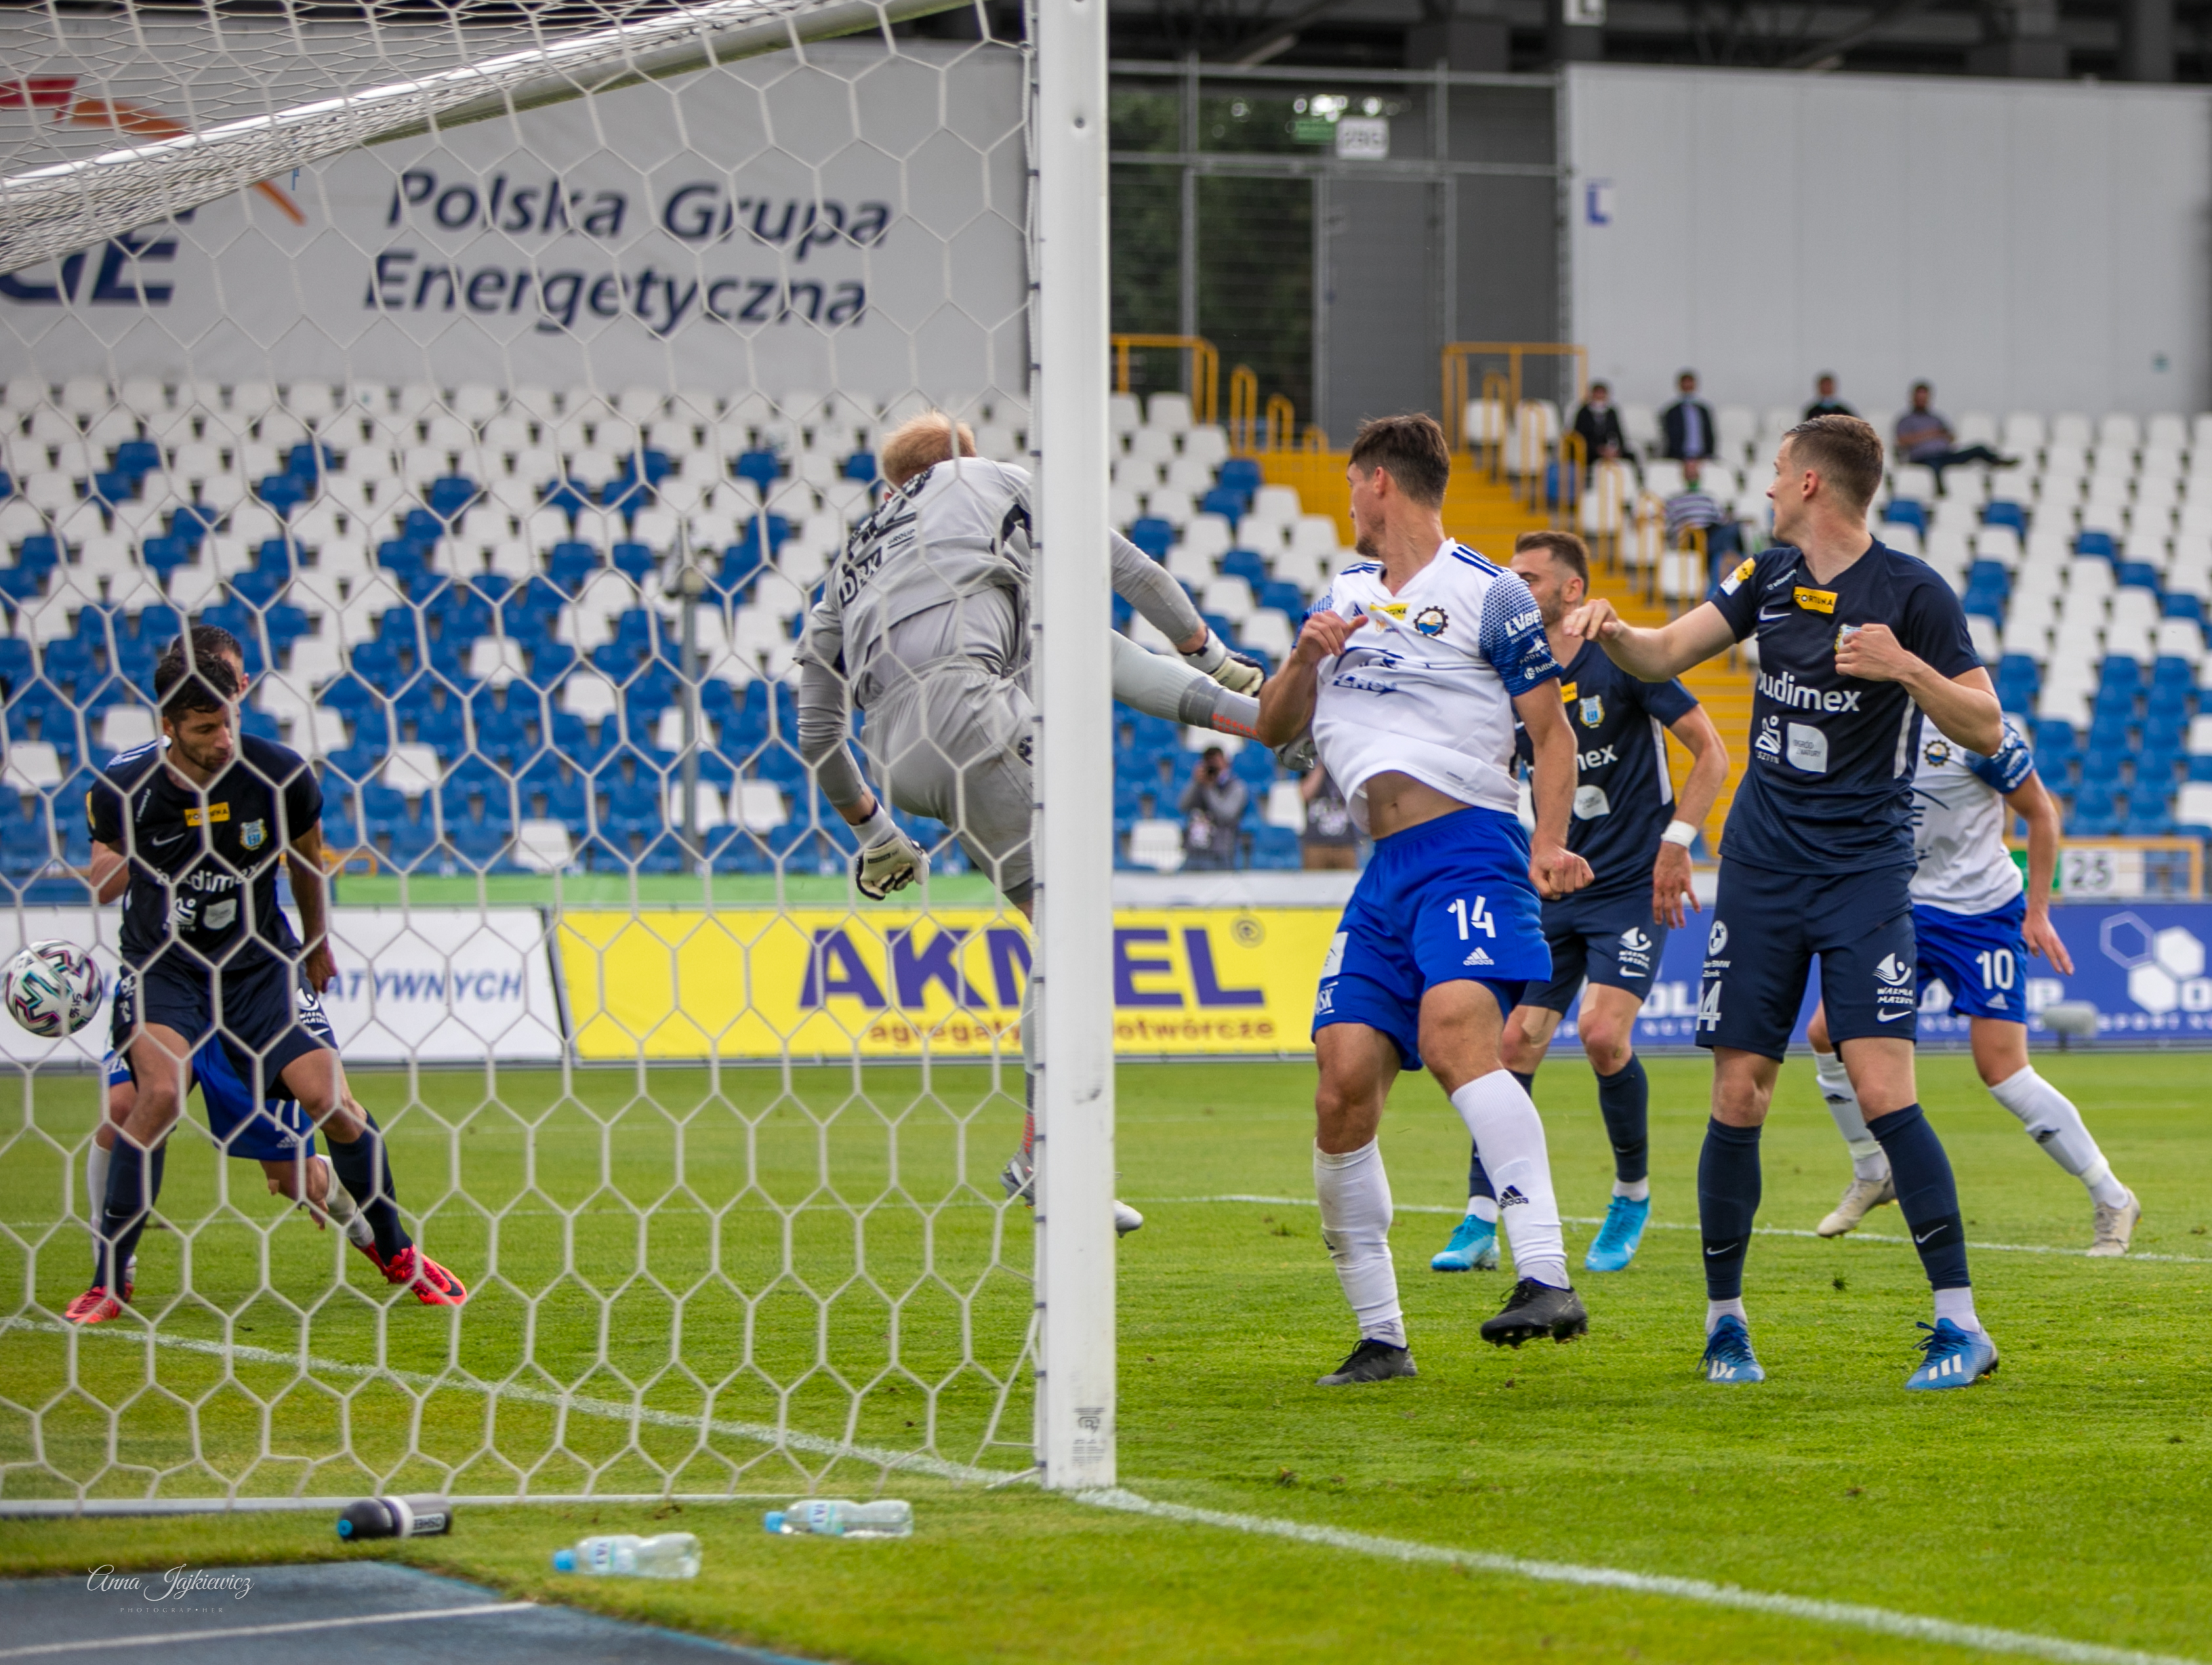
(1074, 826)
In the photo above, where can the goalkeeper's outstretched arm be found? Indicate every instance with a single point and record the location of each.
(1152, 591)
(888, 860)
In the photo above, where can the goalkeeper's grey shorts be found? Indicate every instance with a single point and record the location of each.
(954, 746)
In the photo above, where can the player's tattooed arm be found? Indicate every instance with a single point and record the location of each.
(1286, 699)
(1670, 874)
(2035, 806)
(1964, 707)
(109, 875)
(1652, 655)
(304, 857)
(1554, 869)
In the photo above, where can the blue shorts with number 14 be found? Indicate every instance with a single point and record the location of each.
(1448, 900)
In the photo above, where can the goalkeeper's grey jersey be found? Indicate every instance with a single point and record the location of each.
(955, 537)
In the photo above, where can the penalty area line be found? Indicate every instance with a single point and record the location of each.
(1851, 1615)
(1683, 1225)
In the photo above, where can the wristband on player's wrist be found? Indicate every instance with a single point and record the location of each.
(1679, 832)
(879, 828)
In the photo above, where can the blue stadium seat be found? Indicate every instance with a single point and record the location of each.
(1282, 595)
(2095, 542)
(1153, 536)
(1226, 501)
(861, 466)
(1254, 766)
(2176, 605)
(41, 551)
(570, 564)
(1275, 849)
(571, 497)
(762, 468)
(1239, 474)
(1904, 512)
(1246, 564)
(449, 496)
(2004, 514)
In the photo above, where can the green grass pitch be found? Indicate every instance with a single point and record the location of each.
(2071, 1496)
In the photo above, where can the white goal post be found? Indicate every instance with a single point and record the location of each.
(519, 516)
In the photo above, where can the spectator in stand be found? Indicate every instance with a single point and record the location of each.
(1214, 806)
(1686, 425)
(1330, 841)
(1924, 437)
(1599, 425)
(1825, 402)
(1695, 509)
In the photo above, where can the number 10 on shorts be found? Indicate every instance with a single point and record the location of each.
(1472, 919)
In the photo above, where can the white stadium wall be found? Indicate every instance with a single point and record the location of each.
(2023, 246)
(731, 237)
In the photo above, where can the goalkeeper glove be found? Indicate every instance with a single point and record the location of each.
(888, 860)
(1239, 673)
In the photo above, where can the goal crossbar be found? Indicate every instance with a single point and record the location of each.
(55, 211)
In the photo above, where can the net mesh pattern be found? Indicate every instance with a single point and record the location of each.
(517, 459)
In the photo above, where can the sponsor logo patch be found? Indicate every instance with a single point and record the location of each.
(254, 835)
(1431, 621)
(1813, 601)
(209, 817)
(1733, 581)
(1716, 939)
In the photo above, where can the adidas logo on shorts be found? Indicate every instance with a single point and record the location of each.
(1478, 957)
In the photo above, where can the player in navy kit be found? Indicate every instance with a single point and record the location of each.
(191, 832)
(1855, 642)
(1606, 939)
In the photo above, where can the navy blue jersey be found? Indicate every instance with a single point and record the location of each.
(1624, 798)
(202, 891)
(1830, 785)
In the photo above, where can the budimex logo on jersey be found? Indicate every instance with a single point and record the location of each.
(1594, 711)
(1431, 621)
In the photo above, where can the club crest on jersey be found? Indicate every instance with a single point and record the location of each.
(1939, 752)
(1592, 711)
(254, 835)
(1431, 621)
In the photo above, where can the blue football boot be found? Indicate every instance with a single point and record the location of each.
(1614, 1246)
(1729, 1356)
(1955, 1357)
(1473, 1247)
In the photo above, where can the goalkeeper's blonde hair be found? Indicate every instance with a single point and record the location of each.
(922, 442)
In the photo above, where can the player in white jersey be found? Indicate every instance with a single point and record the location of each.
(1409, 673)
(1975, 924)
(923, 625)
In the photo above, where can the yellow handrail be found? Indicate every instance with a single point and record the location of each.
(1282, 423)
(1244, 410)
(1201, 368)
(1573, 459)
(1459, 355)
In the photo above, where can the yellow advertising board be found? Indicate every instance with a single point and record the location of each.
(829, 982)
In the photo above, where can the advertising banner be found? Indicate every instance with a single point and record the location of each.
(852, 221)
(444, 986)
(2143, 967)
(830, 982)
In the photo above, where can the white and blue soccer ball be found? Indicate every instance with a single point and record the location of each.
(54, 989)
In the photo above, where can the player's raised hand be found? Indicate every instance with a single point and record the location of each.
(2042, 939)
(1594, 621)
(1671, 887)
(1557, 871)
(1323, 637)
(1239, 673)
(1872, 653)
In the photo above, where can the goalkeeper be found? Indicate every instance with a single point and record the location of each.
(923, 625)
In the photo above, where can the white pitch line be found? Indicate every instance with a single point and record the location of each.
(1681, 1226)
(1913, 1627)
(172, 1639)
(1693, 1590)
(610, 1410)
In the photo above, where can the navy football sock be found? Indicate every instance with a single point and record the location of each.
(1528, 1082)
(1624, 1099)
(363, 1170)
(1926, 1194)
(1728, 1201)
(133, 1184)
(1478, 1177)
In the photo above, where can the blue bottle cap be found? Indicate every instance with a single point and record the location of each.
(564, 1560)
(345, 1527)
(773, 1520)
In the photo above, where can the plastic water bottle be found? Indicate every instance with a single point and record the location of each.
(671, 1555)
(834, 1517)
(396, 1517)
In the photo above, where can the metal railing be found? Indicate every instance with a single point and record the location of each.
(1201, 368)
(1458, 365)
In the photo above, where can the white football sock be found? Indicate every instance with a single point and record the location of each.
(1716, 1310)
(96, 1161)
(1355, 1229)
(1510, 1135)
(1868, 1163)
(338, 1203)
(1958, 1306)
(1483, 1209)
(2052, 1121)
(1635, 1190)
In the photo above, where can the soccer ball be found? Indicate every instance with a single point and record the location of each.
(54, 989)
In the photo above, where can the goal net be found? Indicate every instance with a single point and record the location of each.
(508, 386)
